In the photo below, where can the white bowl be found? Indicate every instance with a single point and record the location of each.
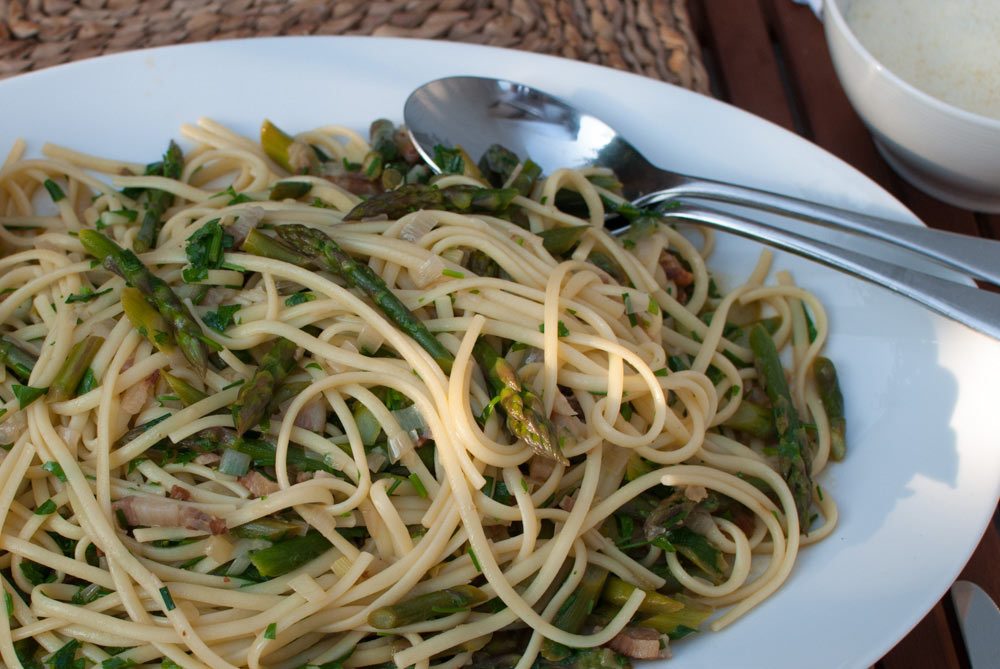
(949, 152)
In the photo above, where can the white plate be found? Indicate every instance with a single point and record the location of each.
(923, 473)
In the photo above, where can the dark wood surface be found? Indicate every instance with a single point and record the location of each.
(770, 57)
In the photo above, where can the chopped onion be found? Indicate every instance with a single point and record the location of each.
(410, 419)
(369, 339)
(13, 427)
(428, 272)
(367, 424)
(234, 463)
(376, 460)
(219, 549)
(417, 225)
(248, 219)
(312, 416)
(399, 445)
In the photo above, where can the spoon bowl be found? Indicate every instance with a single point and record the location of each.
(527, 121)
(476, 112)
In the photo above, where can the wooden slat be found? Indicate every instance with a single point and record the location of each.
(744, 55)
(930, 644)
(982, 567)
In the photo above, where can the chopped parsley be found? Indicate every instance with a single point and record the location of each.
(563, 331)
(26, 394)
(221, 319)
(299, 298)
(475, 560)
(419, 485)
(86, 295)
(455, 274)
(46, 508)
(87, 383)
(54, 190)
(272, 631)
(204, 250)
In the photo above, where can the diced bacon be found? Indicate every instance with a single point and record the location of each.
(148, 511)
(177, 492)
(135, 398)
(258, 484)
(640, 643)
(207, 459)
(674, 270)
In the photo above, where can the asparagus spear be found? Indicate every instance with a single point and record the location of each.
(158, 201)
(558, 241)
(328, 254)
(384, 150)
(525, 412)
(678, 623)
(792, 444)
(187, 393)
(753, 419)
(575, 609)
(296, 157)
(616, 592)
(68, 377)
(255, 395)
(289, 555)
(833, 403)
(262, 453)
(413, 197)
(182, 326)
(424, 607)
(147, 320)
(260, 244)
(17, 360)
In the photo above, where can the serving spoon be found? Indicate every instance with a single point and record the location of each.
(476, 112)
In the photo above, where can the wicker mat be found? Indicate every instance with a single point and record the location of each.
(649, 37)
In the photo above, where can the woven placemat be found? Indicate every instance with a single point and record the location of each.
(649, 37)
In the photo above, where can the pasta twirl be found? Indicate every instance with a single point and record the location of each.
(462, 424)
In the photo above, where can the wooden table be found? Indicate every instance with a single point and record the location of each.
(770, 58)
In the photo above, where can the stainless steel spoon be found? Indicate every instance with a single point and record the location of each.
(475, 112)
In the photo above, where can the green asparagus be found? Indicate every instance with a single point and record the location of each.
(414, 197)
(833, 403)
(260, 244)
(526, 417)
(294, 156)
(16, 359)
(262, 453)
(425, 607)
(185, 392)
(793, 448)
(559, 241)
(289, 555)
(183, 327)
(72, 370)
(574, 611)
(158, 201)
(255, 395)
(753, 419)
(328, 254)
(616, 592)
(147, 320)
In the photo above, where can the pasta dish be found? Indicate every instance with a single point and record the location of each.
(299, 402)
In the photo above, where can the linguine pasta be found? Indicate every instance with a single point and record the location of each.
(139, 528)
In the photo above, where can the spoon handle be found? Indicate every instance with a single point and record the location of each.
(979, 258)
(979, 309)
